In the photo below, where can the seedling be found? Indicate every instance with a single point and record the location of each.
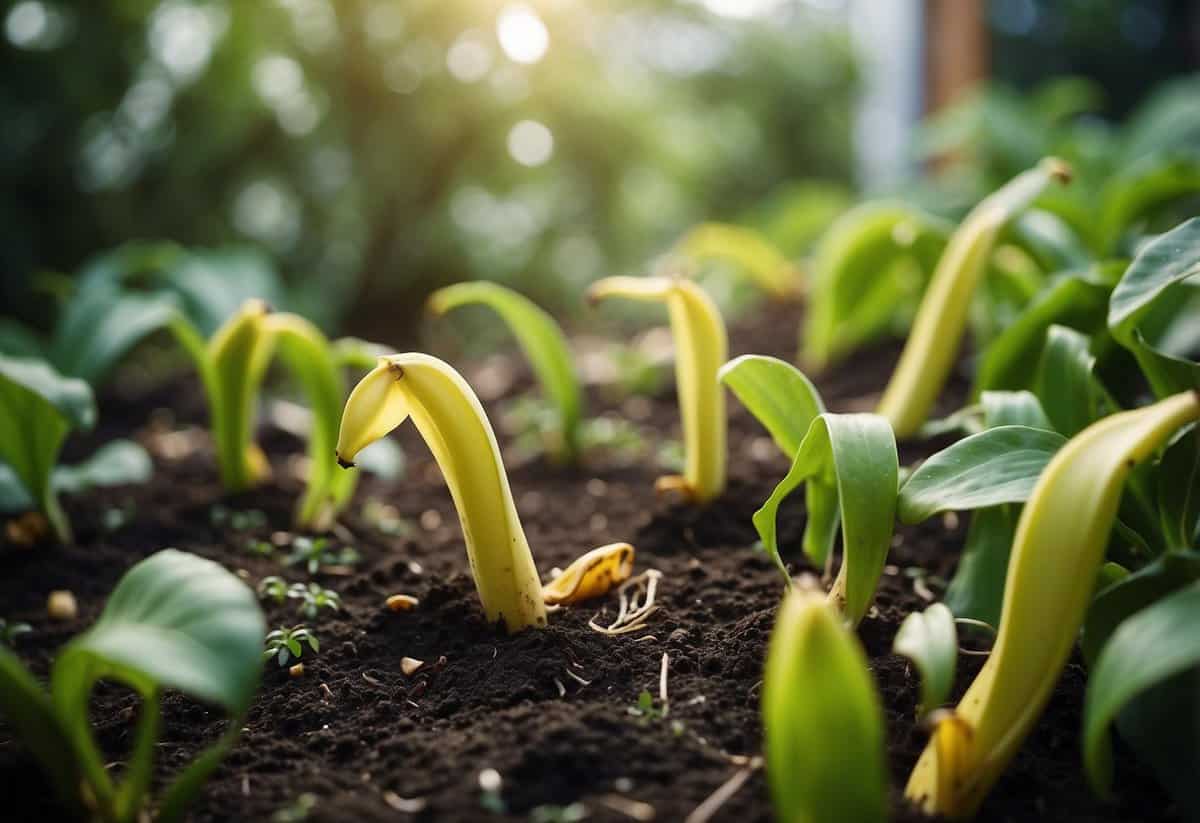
(543, 343)
(312, 598)
(316, 553)
(850, 468)
(645, 708)
(11, 630)
(822, 717)
(273, 588)
(286, 644)
(938, 327)
(38, 407)
(749, 251)
(174, 621)
(700, 349)
(930, 640)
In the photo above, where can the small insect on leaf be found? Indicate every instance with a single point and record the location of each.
(592, 575)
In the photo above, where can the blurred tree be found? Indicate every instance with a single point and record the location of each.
(379, 148)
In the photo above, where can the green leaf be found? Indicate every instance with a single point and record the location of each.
(1013, 408)
(38, 407)
(930, 640)
(1149, 184)
(173, 621)
(822, 719)
(1154, 288)
(116, 463)
(1153, 645)
(1048, 239)
(869, 272)
(1178, 479)
(999, 465)
(1075, 299)
(212, 284)
(933, 343)
(543, 343)
(1066, 383)
(850, 464)
(777, 394)
(977, 589)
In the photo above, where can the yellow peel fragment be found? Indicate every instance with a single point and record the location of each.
(591, 575)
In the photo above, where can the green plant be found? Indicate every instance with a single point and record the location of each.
(11, 630)
(544, 345)
(930, 640)
(941, 319)
(454, 425)
(746, 249)
(316, 552)
(700, 349)
(38, 407)
(273, 588)
(848, 464)
(312, 598)
(285, 644)
(822, 718)
(174, 621)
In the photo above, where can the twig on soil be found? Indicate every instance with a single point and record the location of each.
(637, 604)
(704, 812)
(562, 690)
(662, 685)
(408, 805)
(577, 678)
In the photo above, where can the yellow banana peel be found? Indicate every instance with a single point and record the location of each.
(591, 575)
(1057, 552)
(453, 423)
(701, 348)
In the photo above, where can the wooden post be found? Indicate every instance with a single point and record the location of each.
(956, 54)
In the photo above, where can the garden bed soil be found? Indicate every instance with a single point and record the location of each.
(551, 710)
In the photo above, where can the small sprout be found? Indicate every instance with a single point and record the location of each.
(315, 553)
(285, 644)
(313, 598)
(262, 548)
(402, 602)
(410, 665)
(592, 575)
(61, 605)
(273, 588)
(9, 632)
(645, 708)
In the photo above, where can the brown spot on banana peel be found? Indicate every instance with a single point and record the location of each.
(345, 464)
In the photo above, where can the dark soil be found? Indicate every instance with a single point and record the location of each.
(549, 710)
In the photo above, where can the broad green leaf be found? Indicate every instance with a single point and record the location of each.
(1050, 582)
(1113, 604)
(746, 249)
(544, 345)
(1178, 479)
(212, 284)
(822, 719)
(977, 589)
(174, 621)
(38, 407)
(930, 640)
(102, 323)
(1150, 293)
(1155, 644)
(1166, 122)
(932, 345)
(1076, 299)
(1066, 383)
(869, 271)
(777, 394)
(1138, 191)
(1013, 408)
(116, 463)
(999, 465)
(850, 464)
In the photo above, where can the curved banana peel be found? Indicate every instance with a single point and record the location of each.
(591, 575)
(452, 421)
(938, 327)
(1051, 576)
(701, 347)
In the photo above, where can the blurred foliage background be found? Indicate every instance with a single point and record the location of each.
(376, 149)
